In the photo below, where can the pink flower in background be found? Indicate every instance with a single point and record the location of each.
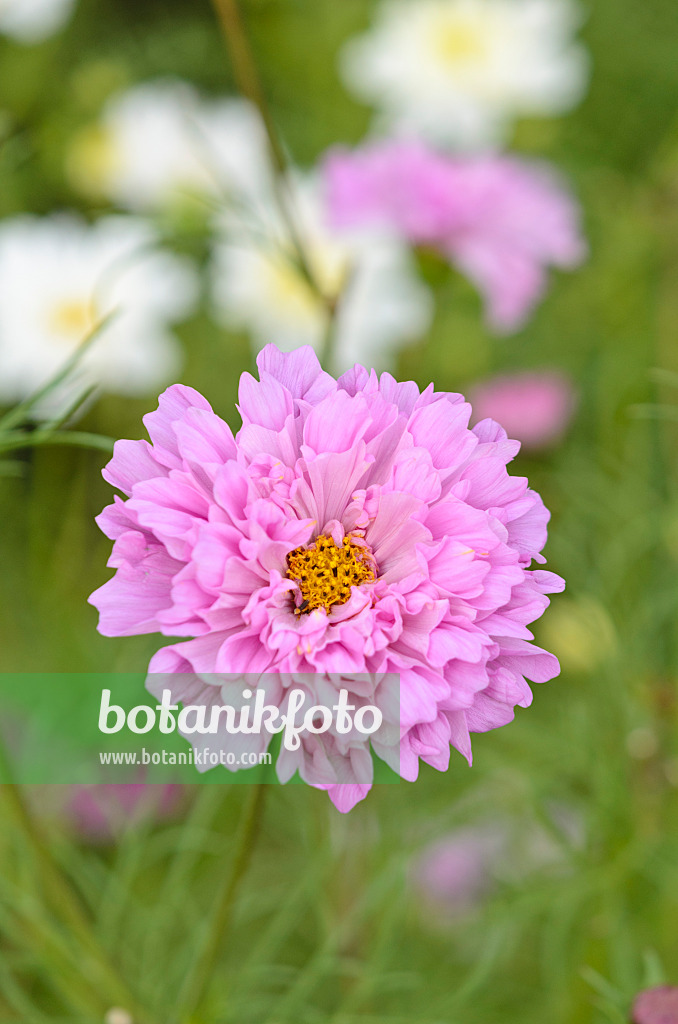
(453, 873)
(225, 540)
(656, 1006)
(533, 407)
(99, 812)
(500, 220)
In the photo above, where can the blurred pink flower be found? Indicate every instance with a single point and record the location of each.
(455, 872)
(502, 221)
(534, 407)
(656, 1006)
(99, 812)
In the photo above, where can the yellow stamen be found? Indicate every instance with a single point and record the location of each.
(325, 573)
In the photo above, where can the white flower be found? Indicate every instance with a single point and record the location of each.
(460, 71)
(159, 145)
(31, 21)
(258, 284)
(59, 277)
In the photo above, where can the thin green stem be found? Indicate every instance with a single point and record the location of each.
(328, 350)
(65, 414)
(20, 411)
(246, 74)
(65, 903)
(207, 954)
(23, 922)
(249, 84)
(186, 855)
(17, 440)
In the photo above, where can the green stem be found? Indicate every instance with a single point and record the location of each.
(246, 74)
(16, 440)
(185, 857)
(65, 902)
(249, 84)
(198, 977)
(62, 966)
(327, 353)
(20, 411)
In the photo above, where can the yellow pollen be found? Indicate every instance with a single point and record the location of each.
(325, 573)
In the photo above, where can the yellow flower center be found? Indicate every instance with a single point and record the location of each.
(325, 573)
(459, 41)
(73, 318)
(292, 291)
(93, 161)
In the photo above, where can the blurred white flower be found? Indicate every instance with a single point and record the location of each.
(160, 145)
(31, 21)
(59, 277)
(258, 285)
(460, 71)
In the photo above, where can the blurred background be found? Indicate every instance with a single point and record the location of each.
(542, 884)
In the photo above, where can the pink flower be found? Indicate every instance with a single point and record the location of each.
(656, 1006)
(452, 874)
(502, 221)
(99, 812)
(534, 407)
(433, 537)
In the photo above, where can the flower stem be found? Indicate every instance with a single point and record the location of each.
(249, 84)
(198, 977)
(16, 440)
(327, 352)
(65, 903)
(246, 74)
